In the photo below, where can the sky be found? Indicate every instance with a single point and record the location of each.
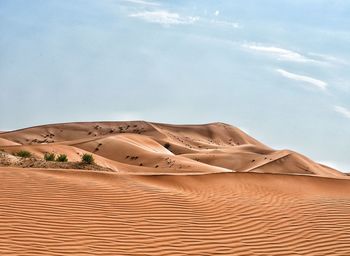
(277, 69)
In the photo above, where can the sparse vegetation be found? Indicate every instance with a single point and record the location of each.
(61, 162)
(49, 156)
(167, 145)
(24, 154)
(62, 158)
(87, 159)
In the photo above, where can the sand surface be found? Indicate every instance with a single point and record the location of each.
(160, 189)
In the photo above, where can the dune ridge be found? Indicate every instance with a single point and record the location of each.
(160, 189)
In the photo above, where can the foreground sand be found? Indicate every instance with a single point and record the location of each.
(169, 190)
(55, 212)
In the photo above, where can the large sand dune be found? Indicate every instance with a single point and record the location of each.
(162, 189)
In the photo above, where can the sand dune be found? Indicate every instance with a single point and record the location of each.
(159, 189)
(134, 147)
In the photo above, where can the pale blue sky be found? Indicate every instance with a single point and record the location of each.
(278, 69)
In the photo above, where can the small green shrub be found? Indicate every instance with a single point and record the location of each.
(49, 156)
(24, 154)
(87, 159)
(62, 158)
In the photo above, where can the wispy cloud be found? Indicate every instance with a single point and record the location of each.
(142, 2)
(328, 58)
(280, 53)
(341, 110)
(164, 17)
(225, 23)
(310, 80)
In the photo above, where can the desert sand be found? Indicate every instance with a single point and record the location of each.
(159, 189)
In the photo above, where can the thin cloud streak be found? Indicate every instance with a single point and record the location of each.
(280, 53)
(142, 2)
(164, 17)
(343, 111)
(310, 80)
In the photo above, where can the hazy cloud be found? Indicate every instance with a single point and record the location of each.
(328, 58)
(310, 80)
(344, 111)
(164, 17)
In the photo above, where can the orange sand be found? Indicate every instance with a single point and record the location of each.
(172, 190)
